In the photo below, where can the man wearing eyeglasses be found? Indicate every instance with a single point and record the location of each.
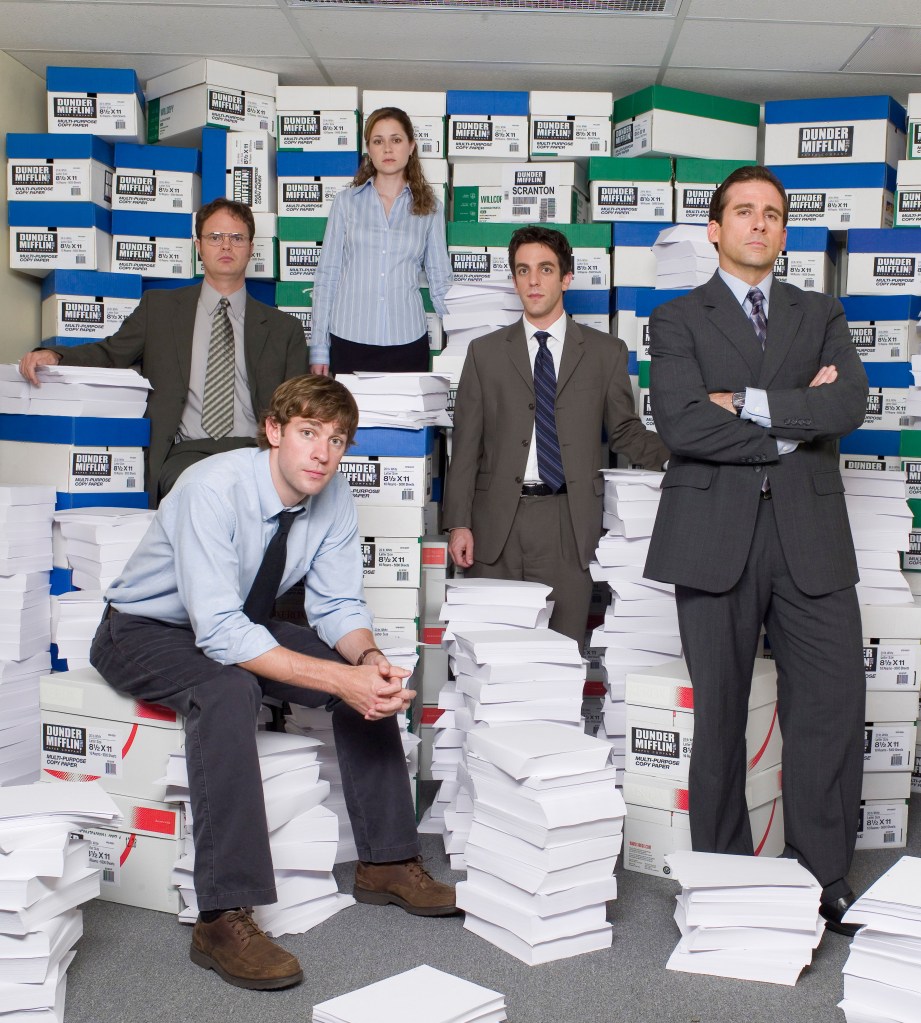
(213, 354)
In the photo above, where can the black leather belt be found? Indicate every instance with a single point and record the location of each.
(540, 490)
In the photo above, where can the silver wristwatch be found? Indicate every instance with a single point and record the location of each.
(738, 401)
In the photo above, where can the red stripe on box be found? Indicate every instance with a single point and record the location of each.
(431, 714)
(127, 850)
(70, 776)
(754, 760)
(434, 555)
(593, 689)
(132, 735)
(682, 800)
(146, 818)
(767, 830)
(684, 697)
(432, 635)
(153, 711)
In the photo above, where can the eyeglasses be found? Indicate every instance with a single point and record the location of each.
(217, 238)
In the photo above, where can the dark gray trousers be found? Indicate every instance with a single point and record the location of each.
(149, 660)
(821, 690)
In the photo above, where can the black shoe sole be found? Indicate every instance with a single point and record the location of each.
(387, 899)
(251, 983)
(848, 930)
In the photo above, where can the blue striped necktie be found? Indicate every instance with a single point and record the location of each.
(759, 320)
(549, 459)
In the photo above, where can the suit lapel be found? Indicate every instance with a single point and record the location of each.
(784, 320)
(518, 353)
(182, 326)
(573, 350)
(729, 318)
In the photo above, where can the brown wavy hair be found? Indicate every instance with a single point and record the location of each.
(311, 397)
(424, 200)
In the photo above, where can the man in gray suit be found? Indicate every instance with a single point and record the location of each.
(752, 383)
(170, 336)
(521, 504)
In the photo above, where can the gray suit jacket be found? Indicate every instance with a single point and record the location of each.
(157, 338)
(494, 420)
(703, 342)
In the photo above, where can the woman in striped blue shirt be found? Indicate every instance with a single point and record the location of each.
(382, 230)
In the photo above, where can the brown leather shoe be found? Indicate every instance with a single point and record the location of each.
(240, 953)
(407, 885)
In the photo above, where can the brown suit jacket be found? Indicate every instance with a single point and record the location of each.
(494, 420)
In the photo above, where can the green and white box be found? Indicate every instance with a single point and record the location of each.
(299, 242)
(296, 298)
(661, 121)
(914, 126)
(426, 110)
(317, 119)
(477, 193)
(908, 194)
(570, 125)
(209, 93)
(629, 189)
(695, 183)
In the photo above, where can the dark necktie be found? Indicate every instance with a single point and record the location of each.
(759, 320)
(549, 459)
(217, 401)
(261, 597)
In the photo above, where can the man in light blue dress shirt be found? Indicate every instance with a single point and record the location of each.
(177, 632)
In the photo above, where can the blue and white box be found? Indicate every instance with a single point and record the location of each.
(839, 196)
(884, 328)
(884, 262)
(308, 182)
(46, 236)
(83, 305)
(156, 179)
(108, 102)
(152, 244)
(809, 259)
(485, 125)
(59, 168)
(250, 170)
(914, 126)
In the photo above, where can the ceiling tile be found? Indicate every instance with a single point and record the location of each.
(832, 12)
(890, 51)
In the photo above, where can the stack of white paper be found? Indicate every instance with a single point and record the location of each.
(913, 401)
(75, 617)
(98, 541)
(882, 976)
(44, 876)
(745, 917)
(422, 995)
(640, 627)
(303, 835)
(684, 257)
(75, 391)
(877, 508)
(547, 830)
(406, 401)
(473, 311)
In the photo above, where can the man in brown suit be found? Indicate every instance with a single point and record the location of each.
(519, 504)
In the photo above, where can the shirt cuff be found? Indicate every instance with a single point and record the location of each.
(784, 447)
(319, 356)
(756, 407)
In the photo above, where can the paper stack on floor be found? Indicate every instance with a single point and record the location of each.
(25, 624)
(882, 976)
(303, 835)
(422, 995)
(684, 257)
(44, 877)
(641, 625)
(745, 917)
(406, 401)
(75, 617)
(98, 541)
(75, 391)
(547, 830)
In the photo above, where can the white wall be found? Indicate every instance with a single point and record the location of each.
(22, 108)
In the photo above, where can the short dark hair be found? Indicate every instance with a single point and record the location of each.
(311, 397)
(755, 172)
(235, 209)
(535, 235)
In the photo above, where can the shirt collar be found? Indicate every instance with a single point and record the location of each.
(211, 296)
(270, 504)
(741, 288)
(370, 181)
(556, 330)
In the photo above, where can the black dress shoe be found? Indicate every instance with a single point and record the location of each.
(833, 911)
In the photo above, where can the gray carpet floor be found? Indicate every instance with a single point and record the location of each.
(133, 965)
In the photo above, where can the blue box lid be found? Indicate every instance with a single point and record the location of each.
(637, 234)
(167, 283)
(475, 101)
(384, 441)
(174, 158)
(317, 165)
(213, 163)
(115, 80)
(97, 500)
(62, 580)
(58, 214)
(633, 366)
(625, 299)
(93, 432)
(28, 146)
(871, 442)
(152, 225)
(836, 175)
(651, 298)
(91, 282)
(839, 108)
(577, 300)
(803, 239)
(881, 239)
(889, 374)
(881, 308)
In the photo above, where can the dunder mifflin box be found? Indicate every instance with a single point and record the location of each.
(152, 244)
(633, 264)
(884, 262)
(891, 666)
(626, 189)
(809, 259)
(308, 182)
(250, 170)
(570, 125)
(46, 236)
(889, 745)
(883, 824)
(484, 125)
(59, 168)
(886, 408)
(908, 194)
(695, 183)
(156, 179)
(391, 561)
(299, 242)
(107, 102)
(839, 196)
(855, 129)
(71, 469)
(317, 119)
(83, 305)
(426, 110)
(388, 480)
(520, 193)
(884, 328)
(209, 93)
(914, 126)
(296, 298)
(661, 121)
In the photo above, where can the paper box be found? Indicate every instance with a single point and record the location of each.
(107, 102)
(886, 785)
(545, 193)
(86, 306)
(427, 111)
(59, 168)
(299, 243)
(393, 601)
(884, 262)
(914, 126)
(391, 561)
(886, 408)
(395, 631)
(71, 469)
(892, 622)
(839, 196)
(890, 666)
(908, 194)
(388, 480)
(152, 244)
(883, 824)
(916, 772)
(855, 129)
(487, 125)
(308, 182)
(157, 179)
(695, 183)
(251, 170)
(384, 520)
(661, 121)
(46, 236)
(625, 189)
(884, 328)
(889, 705)
(318, 119)
(808, 261)
(889, 745)
(570, 125)
(633, 264)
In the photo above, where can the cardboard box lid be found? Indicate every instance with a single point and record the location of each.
(316, 97)
(86, 431)
(297, 294)
(112, 80)
(629, 168)
(213, 72)
(836, 175)
(35, 146)
(683, 101)
(689, 170)
(384, 440)
(901, 621)
(670, 685)
(838, 108)
(152, 225)
(91, 283)
(58, 214)
(577, 302)
(638, 234)
(881, 239)
(421, 104)
(174, 158)
(86, 693)
(909, 173)
(585, 104)
(317, 165)
(475, 101)
(493, 235)
(811, 239)
(301, 229)
(649, 299)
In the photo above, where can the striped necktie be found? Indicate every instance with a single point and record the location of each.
(759, 320)
(549, 459)
(217, 402)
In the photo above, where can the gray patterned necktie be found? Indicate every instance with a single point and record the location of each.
(217, 402)
(759, 320)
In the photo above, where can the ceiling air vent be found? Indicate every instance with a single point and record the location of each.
(654, 8)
